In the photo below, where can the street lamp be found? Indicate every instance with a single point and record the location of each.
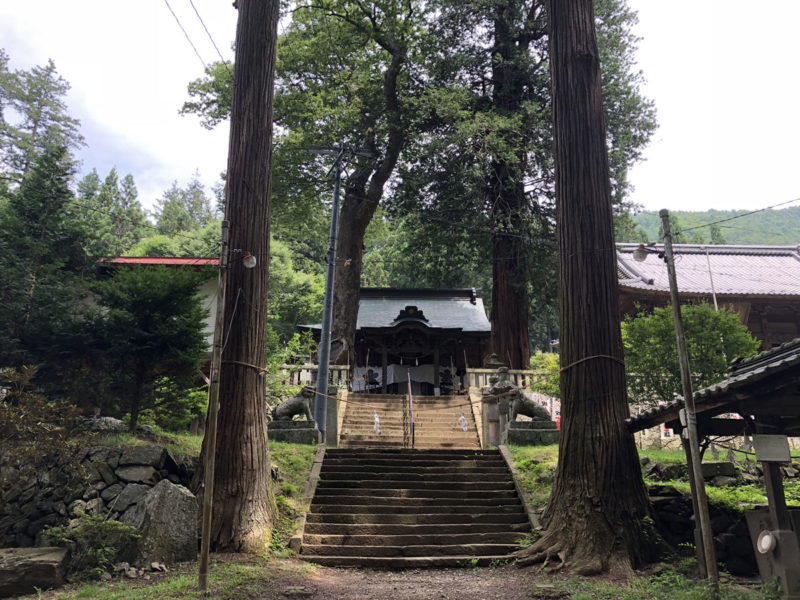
(699, 498)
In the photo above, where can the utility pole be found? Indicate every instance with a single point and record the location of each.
(323, 368)
(700, 499)
(213, 412)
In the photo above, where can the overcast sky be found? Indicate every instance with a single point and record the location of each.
(723, 75)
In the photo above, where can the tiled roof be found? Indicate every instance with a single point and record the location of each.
(736, 270)
(445, 309)
(167, 261)
(744, 372)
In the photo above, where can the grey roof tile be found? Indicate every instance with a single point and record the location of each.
(736, 270)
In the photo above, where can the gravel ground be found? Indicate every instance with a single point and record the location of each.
(499, 583)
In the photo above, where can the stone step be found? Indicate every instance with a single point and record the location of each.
(352, 484)
(410, 469)
(338, 504)
(345, 529)
(475, 549)
(499, 519)
(381, 540)
(407, 562)
(416, 477)
(358, 445)
(420, 493)
(339, 452)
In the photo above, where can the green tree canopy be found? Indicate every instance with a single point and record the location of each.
(151, 332)
(183, 209)
(713, 338)
(37, 118)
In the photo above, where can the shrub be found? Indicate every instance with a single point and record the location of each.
(94, 543)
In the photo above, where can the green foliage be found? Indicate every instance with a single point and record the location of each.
(713, 338)
(40, 263)
(547, 364)
(290, 354)
(183, 209)
(111, 216)
(94, 543)
(537, 465)
(150, 334)
(778, 227)
(38, 119)
(203, 242)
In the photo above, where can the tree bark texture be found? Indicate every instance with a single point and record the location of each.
(363, 192)
(244, 507)
(506, 198)
(596, 514)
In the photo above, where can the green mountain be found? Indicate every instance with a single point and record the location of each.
(774, 227)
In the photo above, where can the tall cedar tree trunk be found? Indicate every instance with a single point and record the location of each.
(595, 516)
(244, 506)
(363, 192)
(507, 202)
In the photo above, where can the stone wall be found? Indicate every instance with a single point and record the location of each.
(674, 520)
(98, 480)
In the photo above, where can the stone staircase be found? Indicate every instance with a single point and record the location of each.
(436, 421)
(413, 508)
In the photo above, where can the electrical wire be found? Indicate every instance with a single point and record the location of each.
(747, 214)
(188, 39)
(213, 43)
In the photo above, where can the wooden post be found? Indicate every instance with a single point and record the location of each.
(436, 388)
(213, 413)
(384, 368)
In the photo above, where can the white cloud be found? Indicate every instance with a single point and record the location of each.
(129, 65)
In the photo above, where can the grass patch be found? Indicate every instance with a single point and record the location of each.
(537, 465)
(671, 457)
(668, 584)
(184, 443)
(294, 463)
(241, 580)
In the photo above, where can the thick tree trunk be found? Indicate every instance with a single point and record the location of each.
(363, 193)
(507, 202)
(596, 515)
(244, 507)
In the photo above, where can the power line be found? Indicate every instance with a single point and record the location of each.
(685, 229)
(188, 39)
(208, 33)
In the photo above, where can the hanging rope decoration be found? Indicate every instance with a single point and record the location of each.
(377, 425)
(577, 362)
(462, 420)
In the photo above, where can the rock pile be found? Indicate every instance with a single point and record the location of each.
(139, 485)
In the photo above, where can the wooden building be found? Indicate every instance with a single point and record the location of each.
(760, 283)
(427, 336)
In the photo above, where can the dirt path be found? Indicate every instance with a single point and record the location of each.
(500, 583)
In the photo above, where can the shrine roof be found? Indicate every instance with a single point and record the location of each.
(735, 270)
(459, 308)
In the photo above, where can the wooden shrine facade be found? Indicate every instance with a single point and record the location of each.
(428, 337)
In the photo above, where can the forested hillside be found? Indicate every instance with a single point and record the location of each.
(778, 227)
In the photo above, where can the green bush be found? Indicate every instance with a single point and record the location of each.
(94, 544)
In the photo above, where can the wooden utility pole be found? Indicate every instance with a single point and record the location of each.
(244, 507)
(592, 524)
(699, 498)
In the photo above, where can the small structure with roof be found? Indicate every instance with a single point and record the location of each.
(760, 283)
(427, 336)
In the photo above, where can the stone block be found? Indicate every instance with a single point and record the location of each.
(534, 425)
(294, 434)
(167, 520)
(138, 474)
(112, 491)
(533, 437)
(726, 469)
(152, 456)
(132, 494)
(23, 570)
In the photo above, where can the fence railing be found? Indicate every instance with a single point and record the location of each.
(340, 376)
(522, 378)
(306, 374)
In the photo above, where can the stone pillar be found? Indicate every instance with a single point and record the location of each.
(384, 368)
(436, 387)
(332, 418)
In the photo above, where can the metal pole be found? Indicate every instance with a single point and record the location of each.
(213, 412)
(321, 403)
(701, 502)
